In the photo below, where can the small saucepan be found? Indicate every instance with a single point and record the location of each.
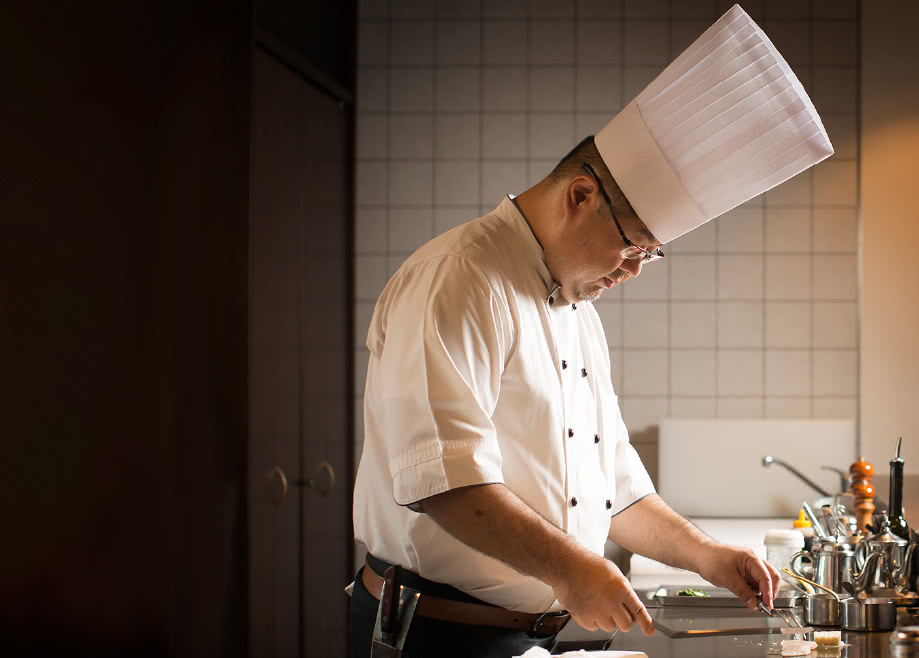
(821, 610)
(870, 614)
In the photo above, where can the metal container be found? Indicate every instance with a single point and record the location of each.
(821, 610)
(882, 563)
(833, 561)
(871, 614)
(904, 642)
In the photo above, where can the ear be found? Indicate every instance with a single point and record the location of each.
(582, 190)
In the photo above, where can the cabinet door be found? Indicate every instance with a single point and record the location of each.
(325, 320)
(300, 368)
(274, 361)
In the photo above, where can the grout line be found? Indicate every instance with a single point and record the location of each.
(526, 98)
(648, 64)
(575, 69)
(389, 67)
(669, 312)
(680, 19)
(764, 213)
(481, 188)
(622, 102)
(810, 33)
(858, 230)
(434, 123)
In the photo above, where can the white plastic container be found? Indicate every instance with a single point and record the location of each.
(781, 544)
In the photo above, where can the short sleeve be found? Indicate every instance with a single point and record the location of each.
(438, 379)
(632, 480)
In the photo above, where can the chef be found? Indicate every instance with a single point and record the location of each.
(496, 463)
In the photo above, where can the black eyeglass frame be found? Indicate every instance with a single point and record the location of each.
(632, 251)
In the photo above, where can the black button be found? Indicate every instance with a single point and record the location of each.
(551, 301)
(570, 432)
(574, 501)
(574, 307)
(609, 504)
(564, 364)
(596, 438)
(583, 372)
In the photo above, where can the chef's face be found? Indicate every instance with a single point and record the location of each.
(588, 257)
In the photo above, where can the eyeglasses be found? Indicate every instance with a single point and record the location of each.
(632, 251)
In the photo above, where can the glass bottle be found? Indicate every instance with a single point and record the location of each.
(898, 525)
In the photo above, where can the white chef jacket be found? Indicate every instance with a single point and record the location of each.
(481, 372)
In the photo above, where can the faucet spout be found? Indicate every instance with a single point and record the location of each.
(768, 460)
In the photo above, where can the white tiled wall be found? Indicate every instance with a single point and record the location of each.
(460, 102)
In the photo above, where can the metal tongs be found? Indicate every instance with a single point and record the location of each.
(397, 607)
(786, 615)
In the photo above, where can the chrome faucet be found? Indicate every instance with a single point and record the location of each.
(768, 460)
(843, 477)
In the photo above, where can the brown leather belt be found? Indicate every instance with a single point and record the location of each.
(537, 625)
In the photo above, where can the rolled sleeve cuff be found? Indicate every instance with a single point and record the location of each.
(428, 475)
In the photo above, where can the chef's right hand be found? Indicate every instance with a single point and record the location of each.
(598, 596)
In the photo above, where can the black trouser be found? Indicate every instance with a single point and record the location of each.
(432, 638)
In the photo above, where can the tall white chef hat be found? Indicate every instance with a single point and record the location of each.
(726, 121)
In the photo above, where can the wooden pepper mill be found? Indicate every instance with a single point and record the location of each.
(860, 475)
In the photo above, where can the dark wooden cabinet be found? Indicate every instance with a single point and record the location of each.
(165, 270)
(299, 367)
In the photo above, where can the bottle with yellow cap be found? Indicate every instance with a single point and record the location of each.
(803, 524)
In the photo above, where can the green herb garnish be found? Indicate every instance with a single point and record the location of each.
(692, 592)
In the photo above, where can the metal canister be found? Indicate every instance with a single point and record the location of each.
(904, 642)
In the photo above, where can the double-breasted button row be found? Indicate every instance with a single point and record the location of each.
(574, 502)
(571, 435)
(565, 367)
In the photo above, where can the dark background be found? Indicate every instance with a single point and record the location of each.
(124, 273)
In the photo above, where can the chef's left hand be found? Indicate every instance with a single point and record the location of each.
(742, 571)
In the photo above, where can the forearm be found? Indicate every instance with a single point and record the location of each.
(652, 528)
(492, 519)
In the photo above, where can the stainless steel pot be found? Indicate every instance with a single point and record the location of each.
(871, 614)
(821, 610)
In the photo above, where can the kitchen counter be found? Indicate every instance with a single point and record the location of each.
(741, 645)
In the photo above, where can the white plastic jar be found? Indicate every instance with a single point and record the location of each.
(781, 544)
